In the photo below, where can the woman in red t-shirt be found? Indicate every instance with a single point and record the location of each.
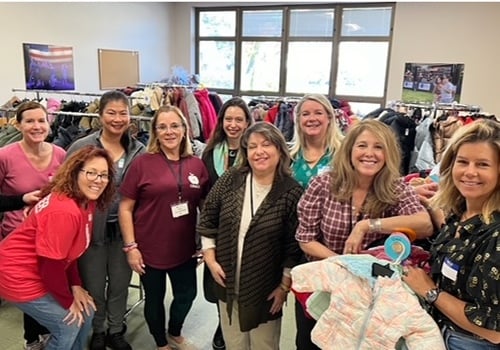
(38, 259)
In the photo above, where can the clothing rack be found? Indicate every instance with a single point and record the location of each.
(167, 85)
(58, 92)
(457, 107)
(95, 115)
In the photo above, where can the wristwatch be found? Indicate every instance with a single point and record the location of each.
(432, 295)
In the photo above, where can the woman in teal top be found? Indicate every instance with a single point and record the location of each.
(317, 137)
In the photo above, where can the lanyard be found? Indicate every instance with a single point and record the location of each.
(179, 177)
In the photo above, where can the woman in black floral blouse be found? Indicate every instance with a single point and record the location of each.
(464, 286)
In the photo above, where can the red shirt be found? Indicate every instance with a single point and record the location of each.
(58, 229)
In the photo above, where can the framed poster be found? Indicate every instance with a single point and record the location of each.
(48, 67)
(118, 69)
(432, 82)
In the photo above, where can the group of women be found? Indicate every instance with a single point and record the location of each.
(261, 207)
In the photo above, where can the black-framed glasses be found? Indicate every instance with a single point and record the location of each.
(93, 175)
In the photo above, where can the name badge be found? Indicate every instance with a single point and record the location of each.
(121, 163)
(450, 269)
(179, 209)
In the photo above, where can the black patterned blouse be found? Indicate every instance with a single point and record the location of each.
(475, 256)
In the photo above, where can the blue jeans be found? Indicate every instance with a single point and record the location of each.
(459, 341)
(48, 312)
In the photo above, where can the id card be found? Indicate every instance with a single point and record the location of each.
(179, 209)
(450, 269)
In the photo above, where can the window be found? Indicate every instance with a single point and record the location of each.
(340, 50)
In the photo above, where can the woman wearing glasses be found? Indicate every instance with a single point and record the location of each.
(26, 166)
(38, 260)
(161, 194)
(104, 268)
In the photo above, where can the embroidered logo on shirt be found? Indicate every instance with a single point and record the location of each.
(42, 204)
(194, 182)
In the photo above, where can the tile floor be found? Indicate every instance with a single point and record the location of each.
(199, 327)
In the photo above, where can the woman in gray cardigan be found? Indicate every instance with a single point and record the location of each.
(248, 227)
(104, 268)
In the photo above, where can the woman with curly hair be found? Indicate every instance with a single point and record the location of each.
(38, 260)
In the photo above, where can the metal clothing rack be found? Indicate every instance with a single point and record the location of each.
(58, 92)
(95, 115)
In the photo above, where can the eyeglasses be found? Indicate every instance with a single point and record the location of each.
(92, 175)
(172, 127)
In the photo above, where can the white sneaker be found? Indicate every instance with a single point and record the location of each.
(44, 339)
(185, 345)
(36, 345)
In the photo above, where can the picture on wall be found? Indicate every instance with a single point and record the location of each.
(48, 67)
(432, 82)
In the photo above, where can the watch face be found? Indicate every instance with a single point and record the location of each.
(431, 296)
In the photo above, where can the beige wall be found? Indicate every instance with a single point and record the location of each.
(143, 27)
(465, 33)
(425, 32)
(163, 33)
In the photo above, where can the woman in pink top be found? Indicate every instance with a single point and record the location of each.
(38, 260)
(26, 166)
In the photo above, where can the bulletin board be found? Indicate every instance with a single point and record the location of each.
(118, 68)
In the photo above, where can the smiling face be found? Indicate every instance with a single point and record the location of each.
(368, 155)
(235, 123)
(476, 171)
(314, 119)
(115, 118)
(170, 131)
(90, 181)
(263, 156)
(34, 125)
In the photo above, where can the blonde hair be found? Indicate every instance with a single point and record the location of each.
(344, 176)
(449, 197)
(186, 148)
(333, 134)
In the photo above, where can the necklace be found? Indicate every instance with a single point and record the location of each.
(233, 152)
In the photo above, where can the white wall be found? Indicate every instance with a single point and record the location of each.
(163, 33)
(143, 27)
(450, 33)
(429, 32)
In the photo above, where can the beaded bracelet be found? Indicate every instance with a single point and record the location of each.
(129, 247)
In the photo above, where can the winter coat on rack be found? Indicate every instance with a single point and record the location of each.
(365, 312)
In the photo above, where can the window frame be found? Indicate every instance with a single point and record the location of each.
(335, 39)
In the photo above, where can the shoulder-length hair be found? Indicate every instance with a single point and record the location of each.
(272, 134)
(219, 135)
(449, 197)
(28, 106)
(186, 148)
(345, 179)
(65, 180)
(333, 134)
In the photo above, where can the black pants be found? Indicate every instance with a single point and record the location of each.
(304, 328)
(183, 282)
(32, 329)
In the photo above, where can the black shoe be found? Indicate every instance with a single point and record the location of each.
(98, 341)
(218, 342)
(116, 341)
